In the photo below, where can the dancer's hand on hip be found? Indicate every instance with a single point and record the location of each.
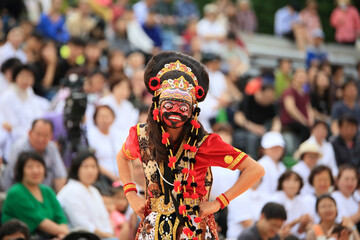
(207, 208)
(137, 203)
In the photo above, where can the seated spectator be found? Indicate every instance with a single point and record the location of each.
(318, 136)
(289, 187)
(153, 30)
(14, 229)
(272, 218)
(106, 143)
(322, 97)
(6, 74)
(256, 115)
(80, 22)
(344, 231)
(296, 113)
(321, 179)
(348, 105)
(316, 53)
(20, 99)
(338, 80)
(135, 61)
(12, 47)
(210, 30)
(126, 114)
(287, 24)
(346, 184)
(119, 40)
(273, 145)
(33, 203)
(82, 203)
(283, 76)
(116, 63)
(308, 155)
(245, 17)
(346, 21)
(347, 144)
(327, 210)
(71, 56)
(309, 17)
(32, 46)
(52, 25)
(186, 11)
(38, 140)
(245, 210)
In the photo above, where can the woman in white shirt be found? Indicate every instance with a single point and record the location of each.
(126, 114)
(105, 142)
(346, 184)
(288, 194)
(81, 202)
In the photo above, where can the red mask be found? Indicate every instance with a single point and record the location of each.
(174, 113)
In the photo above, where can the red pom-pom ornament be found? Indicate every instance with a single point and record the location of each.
(193, 149)
(194, 196)
(197, 219)
(186, 146)
(172, 159)
(185, 170)
(186, 194)
(199, 92)
(154, 83)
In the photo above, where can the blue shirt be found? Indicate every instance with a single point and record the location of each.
(54, 30)
(313, 53)
(284, 19)
(339, 109)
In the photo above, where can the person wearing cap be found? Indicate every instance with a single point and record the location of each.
(316, 53)
(309, 154)
(273, 144)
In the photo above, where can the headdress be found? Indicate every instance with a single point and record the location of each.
(179, 75)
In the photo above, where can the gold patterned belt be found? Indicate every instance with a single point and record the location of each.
(158, 205)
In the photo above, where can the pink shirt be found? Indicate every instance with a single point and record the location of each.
(117, 218)
(346, 23)
(311, 22)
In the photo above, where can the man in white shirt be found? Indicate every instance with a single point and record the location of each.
(11, 49)
(273, 144)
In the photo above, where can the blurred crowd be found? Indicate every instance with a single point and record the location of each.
(71, 86)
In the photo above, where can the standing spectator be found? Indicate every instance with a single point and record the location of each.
(186, 11)
(346, 21)
(33, 203)
(165, 9)
(347, 106)
(245, 17)
(309, 17)
(283, 76)
(14, 229)
(287, 24)
(319, 132)
(153, 30)
(273, 144)
(12, 47)
(256, 115)
(346, 184)
(308, 155)
(105, 142)
(20, 99)
(38, 140)
(347, 144)
(296, 113)
(52, 24)
(82, 202)
(272, 218)
(316, 53)
(210, 30)
(322, 97)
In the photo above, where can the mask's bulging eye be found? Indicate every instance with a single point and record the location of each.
(168, 106)
(184, 108)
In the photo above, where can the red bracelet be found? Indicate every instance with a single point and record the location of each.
(222, 199)
(129, 187)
